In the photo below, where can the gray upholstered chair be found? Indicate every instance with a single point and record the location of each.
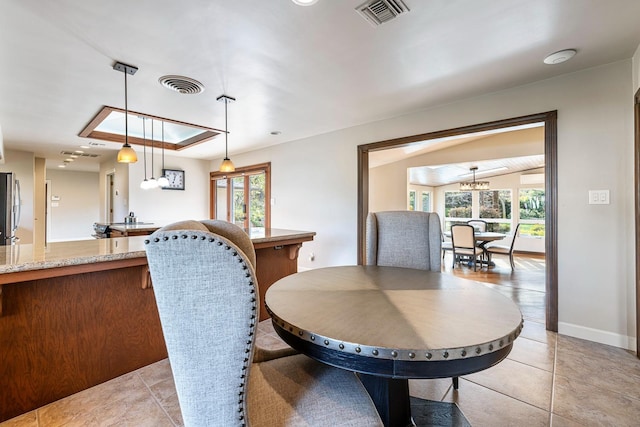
(493, 249)
(410, 239)
(464, 244)
(207, 297)
(268, 344)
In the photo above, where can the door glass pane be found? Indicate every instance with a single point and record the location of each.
(239, 207)
(222, 196)
(256, 200)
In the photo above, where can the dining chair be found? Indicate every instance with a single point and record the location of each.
(409, 239)
(447, 246)
(493, 249)
(479, 225)
(464, 244)
(207, 296)
(268, 344)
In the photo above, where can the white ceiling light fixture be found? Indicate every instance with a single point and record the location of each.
(305, 2)
(560, 56)
(474, 185)
(227, 164)
(126, 153)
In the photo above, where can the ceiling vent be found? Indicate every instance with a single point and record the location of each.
(377, 12)
(181, 84)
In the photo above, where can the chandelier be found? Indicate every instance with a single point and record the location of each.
(474, 185)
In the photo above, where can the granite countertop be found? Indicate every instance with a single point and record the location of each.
(28, 257)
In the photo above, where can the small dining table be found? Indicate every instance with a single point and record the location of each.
(392, 324)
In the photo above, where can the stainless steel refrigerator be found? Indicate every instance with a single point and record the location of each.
(9, 207)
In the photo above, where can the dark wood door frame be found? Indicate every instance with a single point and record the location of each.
(636, 191)
(551, 189)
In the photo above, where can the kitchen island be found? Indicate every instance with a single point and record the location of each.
(76, 314)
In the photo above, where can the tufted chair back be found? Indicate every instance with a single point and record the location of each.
(404, 239)
(206, 292)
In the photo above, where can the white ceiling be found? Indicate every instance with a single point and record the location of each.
(302, 71)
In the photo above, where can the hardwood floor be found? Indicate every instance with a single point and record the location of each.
(525, 285)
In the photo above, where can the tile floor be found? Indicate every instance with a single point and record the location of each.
(547, 380)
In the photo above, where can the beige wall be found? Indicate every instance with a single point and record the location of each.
(315, 188)
(74, 205)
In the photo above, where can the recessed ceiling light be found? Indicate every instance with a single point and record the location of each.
(86, 147)
(276, 132)
(560, 57)
(304, 2)
(62, 166)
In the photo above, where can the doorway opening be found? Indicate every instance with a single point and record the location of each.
(549, 120)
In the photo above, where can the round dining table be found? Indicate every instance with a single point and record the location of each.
(392, 324)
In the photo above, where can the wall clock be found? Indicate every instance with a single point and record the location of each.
(176, 179)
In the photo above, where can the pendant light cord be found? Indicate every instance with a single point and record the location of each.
(126, 111)
(152, 176)
(163, 148)
(144, 138)
(226, 131)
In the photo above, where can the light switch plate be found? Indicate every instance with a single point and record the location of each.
(598, 197)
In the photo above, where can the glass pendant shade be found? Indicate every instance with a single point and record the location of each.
(127, 154)
(227, 165)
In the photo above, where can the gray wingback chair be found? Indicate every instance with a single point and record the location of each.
(404, 239)
(207, 297)
(268, 344)
(408, 239)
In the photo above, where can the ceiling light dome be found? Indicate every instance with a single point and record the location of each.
(560, 56)
(305, 2)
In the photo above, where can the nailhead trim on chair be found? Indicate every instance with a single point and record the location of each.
(252, 322)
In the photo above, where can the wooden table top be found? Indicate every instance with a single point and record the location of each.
(394, 313)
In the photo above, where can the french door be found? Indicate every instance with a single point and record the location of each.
(242, 197)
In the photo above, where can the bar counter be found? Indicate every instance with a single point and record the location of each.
(76, 314)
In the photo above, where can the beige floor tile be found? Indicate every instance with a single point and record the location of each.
(156, 372)
(165, 394)
(122, 401)
(534, 353)
(599, 365)
(514, 379)
(434, 389)
(30, 419)
(558, 421)
(537, 331)
(487, 408)
(590, 406)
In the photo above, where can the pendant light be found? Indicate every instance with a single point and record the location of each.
(163, 181)
(145, 183)
(474, 185)
(227, 164)
(126, 153)
(152, 181)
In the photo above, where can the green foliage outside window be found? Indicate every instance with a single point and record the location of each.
(457, 204)
(495, 204)
(532, 204)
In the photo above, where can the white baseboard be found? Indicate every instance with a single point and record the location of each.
(597, 335)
